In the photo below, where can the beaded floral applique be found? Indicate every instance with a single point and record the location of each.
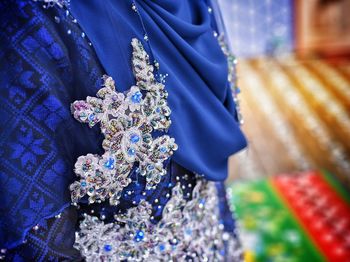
(127, 121)
(188, 231)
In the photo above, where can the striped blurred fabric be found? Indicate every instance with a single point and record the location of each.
(297, 117)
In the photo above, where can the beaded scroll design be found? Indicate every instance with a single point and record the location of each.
(188, 231)
(126, 121)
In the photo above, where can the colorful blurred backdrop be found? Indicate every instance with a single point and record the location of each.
(290, 187)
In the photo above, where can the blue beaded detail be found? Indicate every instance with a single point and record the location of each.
(134, 138)
(136, 98)
(107, 248)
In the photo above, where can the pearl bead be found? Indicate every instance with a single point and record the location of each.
(133, 7)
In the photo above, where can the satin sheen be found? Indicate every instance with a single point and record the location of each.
(182, 41)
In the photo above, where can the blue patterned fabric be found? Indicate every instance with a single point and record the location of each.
(42, 71)
(53, 241)
(45, 65)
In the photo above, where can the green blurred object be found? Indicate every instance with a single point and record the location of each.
(269, 230)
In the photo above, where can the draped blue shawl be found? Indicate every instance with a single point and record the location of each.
(182, 41)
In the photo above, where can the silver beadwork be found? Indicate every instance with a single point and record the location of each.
(188, 231)
(127, 121)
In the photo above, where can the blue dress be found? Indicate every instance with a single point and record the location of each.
(117, 120)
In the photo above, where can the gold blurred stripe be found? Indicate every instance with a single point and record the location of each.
(272, 124)
(334, 79)
(324, 147)
(323, 102)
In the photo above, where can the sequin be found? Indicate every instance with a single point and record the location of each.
(231, 77)
(108, 248)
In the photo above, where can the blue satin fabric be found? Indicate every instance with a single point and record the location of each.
(43, 69)
(182, 41)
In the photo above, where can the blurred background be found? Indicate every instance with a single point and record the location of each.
(290, 187)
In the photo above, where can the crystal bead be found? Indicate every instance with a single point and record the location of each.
(131, 152)
(91, 117)
(109, 163)
(161, 247)
(163, 149)
(108, 248)
(136, 97)
(133, 7)
(139, 236)
(134, 138)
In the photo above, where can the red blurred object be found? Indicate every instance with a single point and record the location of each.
(323, 214)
